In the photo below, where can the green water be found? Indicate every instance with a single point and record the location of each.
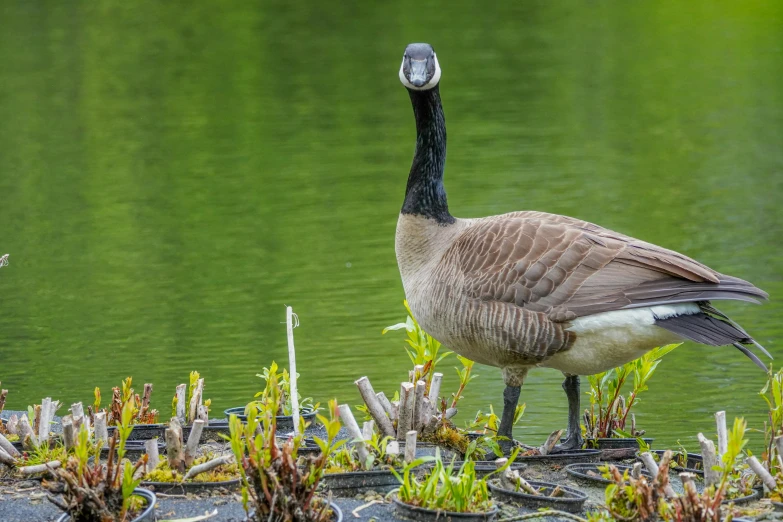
(172, 175)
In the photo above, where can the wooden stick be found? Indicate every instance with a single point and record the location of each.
(367, 429)
(69, 433)
(289, 326)
(203, 414)
(451, 412)
(43, 426)
(763, 474)
(208, 466)
(7, 459)
(410, 446)
(405, 420)
(374, 406)
(499, 463)
(182, 397)
(39, 468)
(6, 445)
(191, 447)
(26, 431)
(710, 460)
(778, 446)
(723, 438)
(549, 444)
(649, 463)
(151, 449)
(636, 472)
(418, 371)
(12, 426)
(386, 404)
(145, 399)
(346, 415)
(174, 445)
(435, 387)
(77, 411)
(418, 405)
(195, 400)
(101, 430)
(36, 420)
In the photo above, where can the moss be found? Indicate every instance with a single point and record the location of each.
(164, 473)
(43, 454)
(12, 438)
(449, 437)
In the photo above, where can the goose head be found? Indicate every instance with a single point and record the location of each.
(419, 70)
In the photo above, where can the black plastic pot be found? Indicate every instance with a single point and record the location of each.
(562, 458)
(616, 443)
(148, 515)
(350, 484)
(693, 462)
(777, 505)
(485, 467)
(427, 449)
(429, 515)
(284, 422)
(743, 500)
(143, 431)
(572, 501)
(182, 488)
(588, 473)
(210, 433)
(134, 449)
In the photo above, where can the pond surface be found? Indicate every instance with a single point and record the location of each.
(171, 177)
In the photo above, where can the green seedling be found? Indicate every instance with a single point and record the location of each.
(282, 380)
(272, 482)
(609, 408)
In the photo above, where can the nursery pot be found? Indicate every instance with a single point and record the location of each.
(589, 474)
(430, 515)
(743, 500)
(285, 423)
(143, 431)
(571, 501)
(351, 483)
(428, 449)
(616, 443)
(210, 432)
(693, 462)
(148, 515)
(183, 488)
(591, 455)
(134, 449)
(485, 467)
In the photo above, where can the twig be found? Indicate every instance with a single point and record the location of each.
(355, 512)
(544, 514)
(182, 397)
(39, 468)
(349, 421)
(208, 466)
(435, 387)
(405, 420)
(723, 438)
(6, 445)
(763, 474)
(410, 446)
(419, 414)
(711, 476)
(387, 405)
(550, 442)
(191, 446)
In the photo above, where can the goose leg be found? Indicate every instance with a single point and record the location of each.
(574, 438)
(510, 401)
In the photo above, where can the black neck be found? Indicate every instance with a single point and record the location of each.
(425, 194)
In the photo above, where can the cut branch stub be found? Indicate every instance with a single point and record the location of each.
(375, 407)
(174, 445)
(405, 420)
(710, 460)
(191, 448)
(182, 394)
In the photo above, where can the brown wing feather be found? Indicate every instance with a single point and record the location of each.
(569, 268)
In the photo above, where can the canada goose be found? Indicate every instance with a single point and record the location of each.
(531, 289)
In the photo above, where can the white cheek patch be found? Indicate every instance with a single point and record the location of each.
(429, 85)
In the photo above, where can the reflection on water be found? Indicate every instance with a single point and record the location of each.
(170, 178)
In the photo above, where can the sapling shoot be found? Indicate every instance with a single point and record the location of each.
(609, 409)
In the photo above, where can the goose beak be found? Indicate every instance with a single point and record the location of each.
(418, 74)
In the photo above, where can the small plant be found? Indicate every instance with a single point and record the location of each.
(282, 381)
(272, 482)
(445, 488)
(94, 492)
(772, 393)
(609, 408)
(163, 472)
(346, 458)
(423, 349)
(139, 406)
